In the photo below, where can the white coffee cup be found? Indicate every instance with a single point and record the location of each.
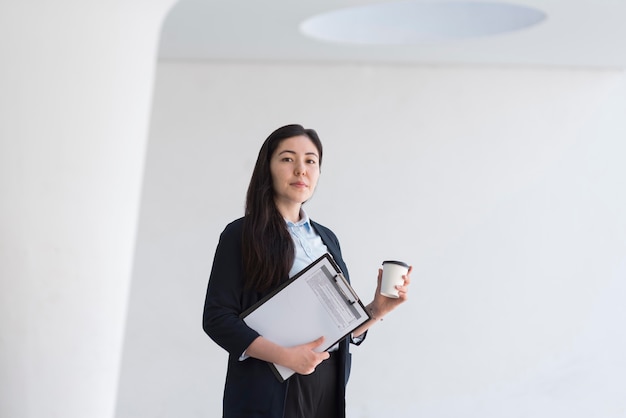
(392, 277)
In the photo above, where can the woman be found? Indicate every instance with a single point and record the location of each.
(255, 254)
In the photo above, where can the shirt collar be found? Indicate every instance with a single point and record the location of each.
(304, 220)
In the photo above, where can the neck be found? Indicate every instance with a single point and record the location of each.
(290, 212)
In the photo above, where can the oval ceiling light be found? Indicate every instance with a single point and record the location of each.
(409, 22)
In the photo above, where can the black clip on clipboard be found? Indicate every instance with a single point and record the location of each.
(345, 289)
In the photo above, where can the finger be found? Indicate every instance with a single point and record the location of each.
(308, 371)
(407, 276)
(317, 342)
(403, 293)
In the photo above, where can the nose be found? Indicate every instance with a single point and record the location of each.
(300, 170)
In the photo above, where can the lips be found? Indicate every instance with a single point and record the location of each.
(299, 184)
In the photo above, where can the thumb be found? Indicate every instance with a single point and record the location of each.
(317, 342)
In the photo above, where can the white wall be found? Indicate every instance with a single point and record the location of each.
(503, 187)
(75, 90)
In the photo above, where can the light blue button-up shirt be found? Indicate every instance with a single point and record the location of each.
(308, 245)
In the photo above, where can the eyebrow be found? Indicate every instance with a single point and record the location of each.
(293, 152)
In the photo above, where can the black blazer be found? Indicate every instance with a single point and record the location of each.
(251, 389)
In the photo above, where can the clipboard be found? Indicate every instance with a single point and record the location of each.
(317, 301)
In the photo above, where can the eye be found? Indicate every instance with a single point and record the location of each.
(311, 161)
(287, 159)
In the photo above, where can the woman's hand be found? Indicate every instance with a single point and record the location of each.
(382, 305)
(302, 359)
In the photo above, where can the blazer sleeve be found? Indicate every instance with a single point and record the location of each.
(225, 298)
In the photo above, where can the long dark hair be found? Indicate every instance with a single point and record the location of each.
(268, 250)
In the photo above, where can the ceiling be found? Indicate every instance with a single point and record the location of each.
(575, 33)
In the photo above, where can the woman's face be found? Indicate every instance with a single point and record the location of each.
(295, 170)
